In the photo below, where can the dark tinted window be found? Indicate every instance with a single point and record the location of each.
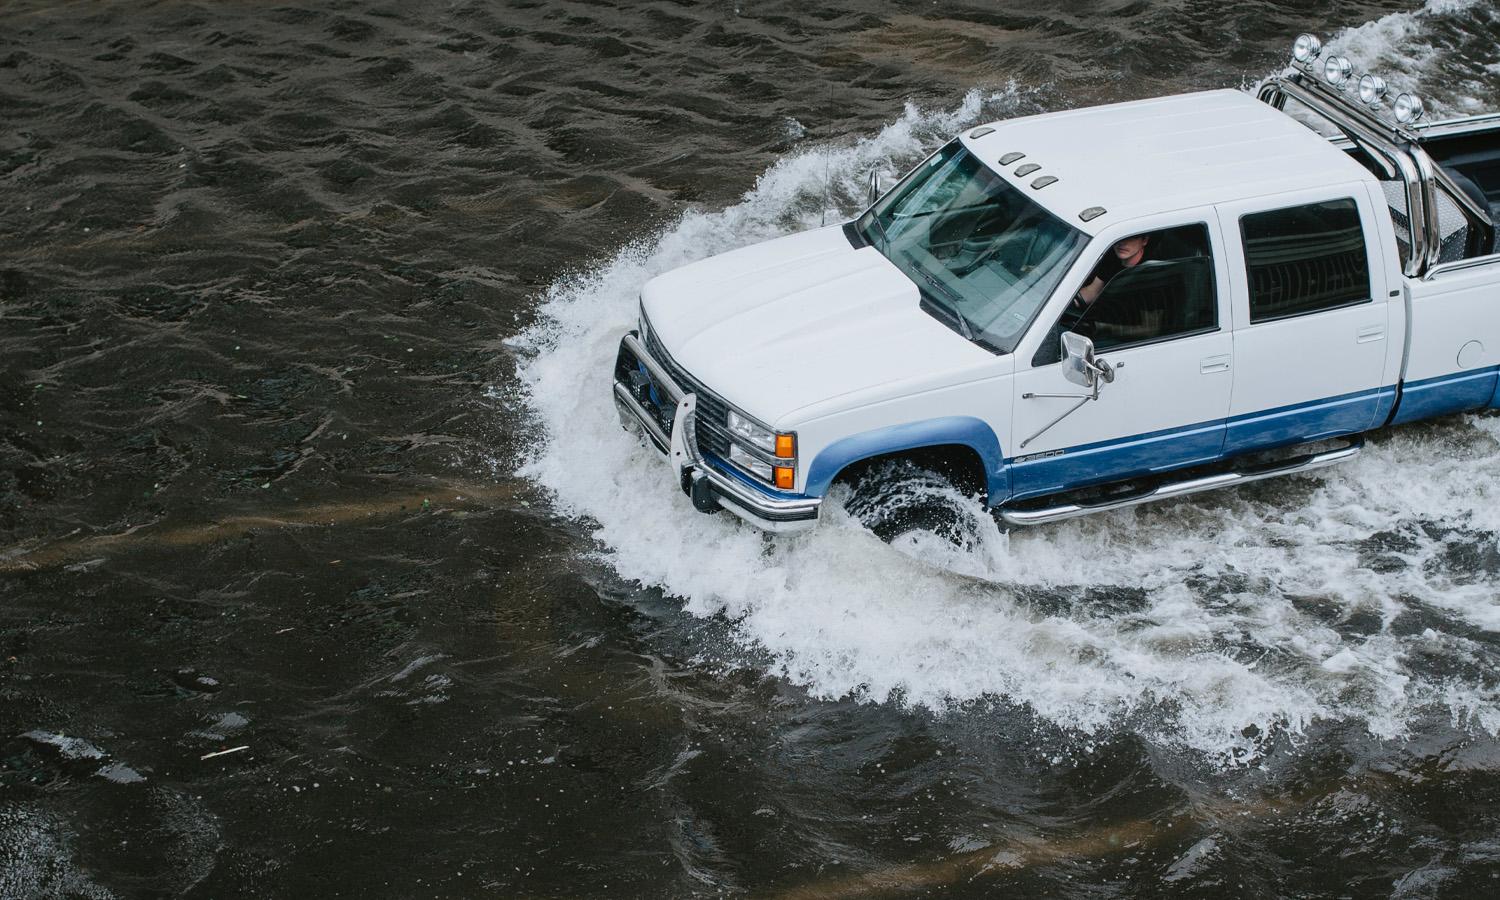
(1305, 259)
(1170, 294)
(1156, 300)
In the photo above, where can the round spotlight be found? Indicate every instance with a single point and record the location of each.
(1306, 48)
(1408, 108)
(1371, 89)
(1337, 70)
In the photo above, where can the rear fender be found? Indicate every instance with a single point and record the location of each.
(965, 431)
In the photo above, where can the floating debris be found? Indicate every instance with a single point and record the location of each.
(223, 752)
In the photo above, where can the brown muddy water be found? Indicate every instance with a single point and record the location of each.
(326, 571)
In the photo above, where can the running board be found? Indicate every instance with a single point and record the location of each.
(1183, 488)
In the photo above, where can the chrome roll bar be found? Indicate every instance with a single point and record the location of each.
(1371, 134)
(1398, 147)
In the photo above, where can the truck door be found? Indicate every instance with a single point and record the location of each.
(1311, 337)
(1164, 325)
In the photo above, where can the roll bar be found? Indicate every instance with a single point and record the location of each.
(1398, 147)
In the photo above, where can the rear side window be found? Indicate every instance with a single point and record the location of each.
(1305, 259)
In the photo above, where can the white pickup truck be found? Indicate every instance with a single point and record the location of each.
(1090, 309)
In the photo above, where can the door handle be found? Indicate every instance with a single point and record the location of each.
(1211, 364)
(1370, 333)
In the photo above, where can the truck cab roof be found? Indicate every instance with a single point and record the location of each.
(1152, 156)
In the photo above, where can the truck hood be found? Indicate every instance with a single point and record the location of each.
(777, 327)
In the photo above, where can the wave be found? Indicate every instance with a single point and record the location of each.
(1445, 50)
(1362, 594)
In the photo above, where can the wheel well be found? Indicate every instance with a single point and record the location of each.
(958, 463)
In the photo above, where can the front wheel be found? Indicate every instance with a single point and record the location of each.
(893, 498)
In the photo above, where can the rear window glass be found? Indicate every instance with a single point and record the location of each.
(1305, 259)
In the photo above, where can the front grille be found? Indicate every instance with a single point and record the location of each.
(713, 412)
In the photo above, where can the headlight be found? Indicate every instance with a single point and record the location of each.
(783, 447)
(783, 477)
(751, 433)
(743, 458)
(1371, 89)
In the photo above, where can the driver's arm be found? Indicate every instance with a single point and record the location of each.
(1088, 293)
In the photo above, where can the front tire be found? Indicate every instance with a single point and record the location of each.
(896, 497)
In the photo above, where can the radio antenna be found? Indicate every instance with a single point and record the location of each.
(827, 165)
(825, 192)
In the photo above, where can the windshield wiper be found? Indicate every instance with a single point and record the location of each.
(963, 322)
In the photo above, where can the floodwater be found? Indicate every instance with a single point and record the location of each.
(325, 569)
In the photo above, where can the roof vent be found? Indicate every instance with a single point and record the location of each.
(1009, 158)
(981, 132)
(1092, 213)
(1043, 182)
(1027, 169)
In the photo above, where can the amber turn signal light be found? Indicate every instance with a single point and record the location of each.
(786, 446)
(785, 477)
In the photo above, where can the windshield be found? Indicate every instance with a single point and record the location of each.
(984, 256)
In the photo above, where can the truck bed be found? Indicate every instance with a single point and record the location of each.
(1471, 148)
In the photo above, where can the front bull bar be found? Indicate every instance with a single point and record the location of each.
(709, 488)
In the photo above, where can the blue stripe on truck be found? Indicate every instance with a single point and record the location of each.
(1102, 461)
(1138, 454)
(1325, 417)
(1455, 392)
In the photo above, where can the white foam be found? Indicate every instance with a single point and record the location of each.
(1236, 606)
(36, 858)
(1400, 47)
(68, 747)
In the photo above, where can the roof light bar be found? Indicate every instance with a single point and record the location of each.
(1337, 72)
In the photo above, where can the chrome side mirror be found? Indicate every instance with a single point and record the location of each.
(1078, 359)
(874, 187)
(1080, 366)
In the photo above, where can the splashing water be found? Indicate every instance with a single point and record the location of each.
(1443, 49)
(1363, 594)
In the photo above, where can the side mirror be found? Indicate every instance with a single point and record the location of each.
(1079, 364)
(1078, 359)
(874, 187)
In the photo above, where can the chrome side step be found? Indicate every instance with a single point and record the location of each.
(1183, 488)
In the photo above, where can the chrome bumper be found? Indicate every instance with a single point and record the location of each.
(700, 480)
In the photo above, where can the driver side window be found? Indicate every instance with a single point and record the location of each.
(1142, 292)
